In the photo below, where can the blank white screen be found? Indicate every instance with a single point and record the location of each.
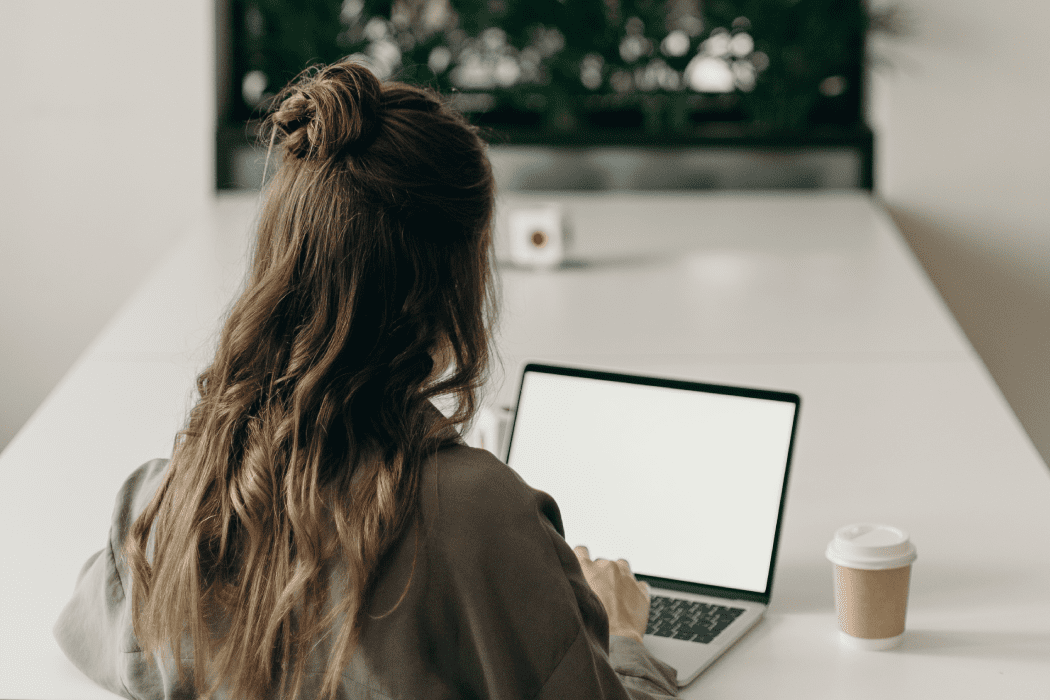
(683, 484)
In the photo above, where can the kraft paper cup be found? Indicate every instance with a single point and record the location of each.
(871, 573)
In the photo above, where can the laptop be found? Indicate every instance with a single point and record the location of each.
(686, 481)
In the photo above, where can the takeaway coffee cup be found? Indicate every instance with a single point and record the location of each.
(872, 570)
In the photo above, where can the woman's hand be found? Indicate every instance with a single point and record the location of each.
(626, 599)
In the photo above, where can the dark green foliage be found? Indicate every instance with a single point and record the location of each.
(799, 43)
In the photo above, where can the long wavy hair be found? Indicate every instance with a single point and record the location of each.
(369, 296)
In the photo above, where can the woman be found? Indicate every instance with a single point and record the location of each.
(321, 530)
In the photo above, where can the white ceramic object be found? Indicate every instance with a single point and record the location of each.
(537, 236)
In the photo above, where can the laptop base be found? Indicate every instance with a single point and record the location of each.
(689, 659)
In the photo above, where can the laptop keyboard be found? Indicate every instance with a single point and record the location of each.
(687, 619)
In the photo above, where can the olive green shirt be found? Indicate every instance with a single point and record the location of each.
(496, 604)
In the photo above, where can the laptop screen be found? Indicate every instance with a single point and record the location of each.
(683, 480)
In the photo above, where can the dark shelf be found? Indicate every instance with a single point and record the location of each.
(235, 141)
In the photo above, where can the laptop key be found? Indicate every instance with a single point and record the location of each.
(688, 620)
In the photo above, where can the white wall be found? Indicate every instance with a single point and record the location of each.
(963, 160)
(106, 136)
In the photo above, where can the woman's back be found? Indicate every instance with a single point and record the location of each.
(318, 517)
(481, 597)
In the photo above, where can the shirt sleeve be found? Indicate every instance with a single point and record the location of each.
(642, 675)
(520, 620)
(94, 629)
(88, 629)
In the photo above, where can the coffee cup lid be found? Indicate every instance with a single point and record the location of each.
(871, 546)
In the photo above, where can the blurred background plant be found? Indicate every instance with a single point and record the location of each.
(597, 70)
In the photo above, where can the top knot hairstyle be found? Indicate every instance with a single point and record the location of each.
(334, 113)
(370, 294)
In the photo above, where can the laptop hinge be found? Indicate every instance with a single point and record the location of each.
(702, 589)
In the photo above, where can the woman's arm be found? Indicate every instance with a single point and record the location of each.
(520, 619)
(626, 602)
(94, 629)
(615, 610)
(90, 628)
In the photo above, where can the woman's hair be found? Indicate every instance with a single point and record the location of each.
(370, 294)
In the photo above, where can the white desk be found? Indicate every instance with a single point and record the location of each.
(809, 293)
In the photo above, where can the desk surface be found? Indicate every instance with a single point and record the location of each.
(810, 293)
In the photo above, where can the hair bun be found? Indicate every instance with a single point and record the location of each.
(330, 112)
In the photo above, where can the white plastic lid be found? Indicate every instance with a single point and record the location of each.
(870, 546)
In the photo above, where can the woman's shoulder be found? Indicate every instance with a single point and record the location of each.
(466, 488)
(462, 473)
(135, 494)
